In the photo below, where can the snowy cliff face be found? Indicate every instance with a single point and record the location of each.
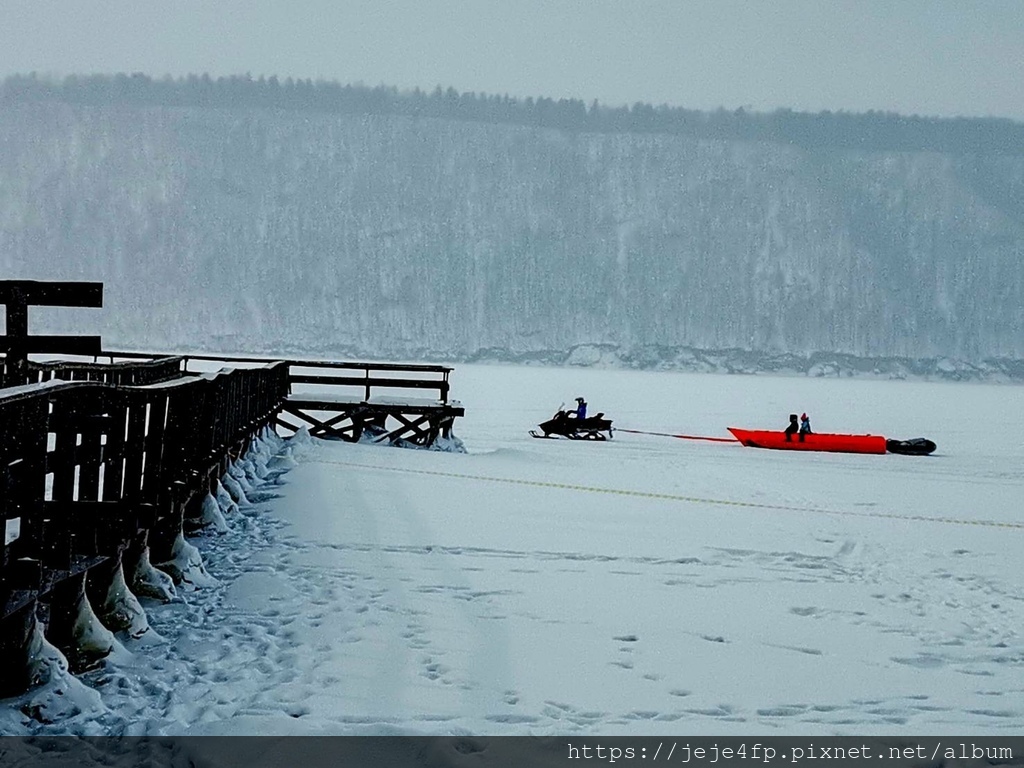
(397, 237)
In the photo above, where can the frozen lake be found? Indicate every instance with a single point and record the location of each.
(646, 585)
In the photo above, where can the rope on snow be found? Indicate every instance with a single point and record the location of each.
(681, 437)
(680, 498)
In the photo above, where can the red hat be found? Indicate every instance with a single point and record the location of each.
(803, 416)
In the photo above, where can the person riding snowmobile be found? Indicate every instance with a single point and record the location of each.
(581, 408)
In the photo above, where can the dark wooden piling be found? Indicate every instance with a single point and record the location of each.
(15, 635)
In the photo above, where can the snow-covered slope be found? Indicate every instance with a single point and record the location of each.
(393, 236)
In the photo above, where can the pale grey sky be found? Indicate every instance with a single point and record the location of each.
(928, 57)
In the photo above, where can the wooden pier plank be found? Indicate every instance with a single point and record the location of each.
(51, 293)
(51, 345)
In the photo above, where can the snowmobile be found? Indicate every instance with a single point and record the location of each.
(565, 424)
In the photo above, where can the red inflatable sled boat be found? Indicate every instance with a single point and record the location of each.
(763, 438)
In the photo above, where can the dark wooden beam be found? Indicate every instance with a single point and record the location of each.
(319, 426)
(51, 345)
(354, 381)
(51, 294)
(309, 402)
(409, 427)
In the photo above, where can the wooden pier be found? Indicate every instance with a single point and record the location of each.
(105, 464)
(351, 400)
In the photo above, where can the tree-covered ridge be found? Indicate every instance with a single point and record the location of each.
(873, 131)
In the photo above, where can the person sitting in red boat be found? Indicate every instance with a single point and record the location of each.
(805, 425)
(793, 427)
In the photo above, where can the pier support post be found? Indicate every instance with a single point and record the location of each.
(165, 531)
(15, 637)
(74, 628)
(144, 579)
(116, 605)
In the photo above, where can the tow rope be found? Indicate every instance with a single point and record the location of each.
(681, 437)
(676, 497)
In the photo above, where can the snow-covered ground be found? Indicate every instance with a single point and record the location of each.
(647, 585)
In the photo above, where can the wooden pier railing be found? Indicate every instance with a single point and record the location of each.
(97, 474)
(353, 400)
(133, 373)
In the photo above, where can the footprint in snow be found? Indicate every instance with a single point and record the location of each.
(808, 611)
